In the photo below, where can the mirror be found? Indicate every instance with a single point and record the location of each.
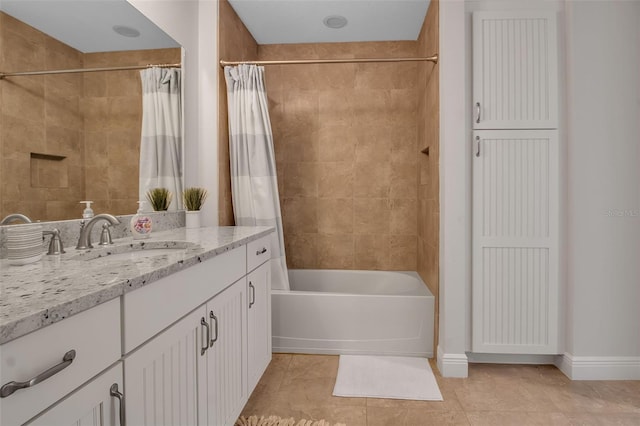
(65, 138)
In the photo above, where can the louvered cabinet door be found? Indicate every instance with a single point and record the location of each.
(227, 355)
(258, 324)
(515, 242)
(163, 375)
(515, 69)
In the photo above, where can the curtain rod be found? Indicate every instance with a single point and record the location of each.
(77, 70)
(433, 59)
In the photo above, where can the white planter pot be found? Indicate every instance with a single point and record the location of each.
(192, 219)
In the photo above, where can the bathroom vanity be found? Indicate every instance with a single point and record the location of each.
(172, 330)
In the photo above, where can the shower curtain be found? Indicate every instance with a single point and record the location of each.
(254, 186)
(161, 142)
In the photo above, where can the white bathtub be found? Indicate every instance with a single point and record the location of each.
(353, 312)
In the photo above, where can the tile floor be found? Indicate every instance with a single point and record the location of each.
(300, 386)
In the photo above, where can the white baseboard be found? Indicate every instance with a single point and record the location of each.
(452, 365)
(511, 359)
(599, 367)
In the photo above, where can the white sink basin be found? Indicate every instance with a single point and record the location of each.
(136, 251)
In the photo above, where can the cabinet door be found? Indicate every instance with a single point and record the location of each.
(226, 356)
(91, 405)
(162, 375)
(515, 242)
(259, 324)
(515, 70)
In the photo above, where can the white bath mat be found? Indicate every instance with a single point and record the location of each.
(386, 377)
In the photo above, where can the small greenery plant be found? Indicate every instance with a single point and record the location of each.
(159, 198)
(194, 198)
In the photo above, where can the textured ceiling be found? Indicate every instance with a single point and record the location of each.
(87, 25)
(301, 21)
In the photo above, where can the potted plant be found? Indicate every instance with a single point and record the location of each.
(159, 198)
(193, 199)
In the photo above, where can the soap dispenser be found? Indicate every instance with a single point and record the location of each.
(88, 212)
(140, 223)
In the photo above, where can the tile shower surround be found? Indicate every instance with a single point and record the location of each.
(355, 191)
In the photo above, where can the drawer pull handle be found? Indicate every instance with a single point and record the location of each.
(114, 392)
(215, 328)
(9, 388)
(263, 251)
(204, 348)
(252, 294)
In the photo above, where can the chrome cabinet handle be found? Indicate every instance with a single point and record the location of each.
(263, 251)
(477, 146)
(10, 387)
(477, 112)
(113, 391)
(214, 318)
(252, 293)
(204, 348)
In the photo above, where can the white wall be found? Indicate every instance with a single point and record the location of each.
(455, 190)
(194, 24)
(603, 98)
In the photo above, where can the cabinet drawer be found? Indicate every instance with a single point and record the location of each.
(93, 334)
(151, 309)
(258, 252)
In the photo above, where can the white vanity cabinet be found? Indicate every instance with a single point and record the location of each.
(60, 357)
(202, 368)
(185, 349)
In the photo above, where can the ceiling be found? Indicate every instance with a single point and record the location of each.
(87, 25)
(301, 21)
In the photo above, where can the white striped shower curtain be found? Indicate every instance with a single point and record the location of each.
(254, 185)
(161, 142)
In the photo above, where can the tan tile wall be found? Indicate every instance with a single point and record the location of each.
(41, 115)
(235, 43)
(112, 107)
(92, 120)
(345, 139)
(428, 174)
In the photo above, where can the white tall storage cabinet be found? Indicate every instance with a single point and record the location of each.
(515, 183)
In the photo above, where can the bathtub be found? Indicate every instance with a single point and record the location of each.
(353, 312)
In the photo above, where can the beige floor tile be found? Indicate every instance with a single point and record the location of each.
(419, 417)
(501, 418)
(304, 392)
(313, 367)
(301, 386)
(383, 416)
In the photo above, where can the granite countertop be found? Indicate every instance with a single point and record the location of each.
(56, 287)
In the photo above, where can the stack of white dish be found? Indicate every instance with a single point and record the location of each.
(24, 244)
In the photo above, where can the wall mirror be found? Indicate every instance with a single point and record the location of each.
(69, 137)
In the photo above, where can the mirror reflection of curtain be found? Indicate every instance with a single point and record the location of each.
(254, 185)
(161, 141)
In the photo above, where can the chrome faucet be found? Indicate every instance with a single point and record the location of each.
(84, 242)
(14, 217)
